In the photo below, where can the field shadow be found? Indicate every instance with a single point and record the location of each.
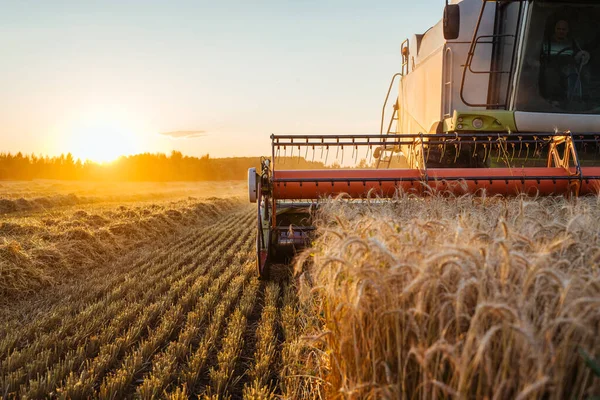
(281, 272)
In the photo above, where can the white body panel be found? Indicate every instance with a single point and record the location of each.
(431, 89)
(539, 122)
(421, 95)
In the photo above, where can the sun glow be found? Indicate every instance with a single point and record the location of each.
(101, 141)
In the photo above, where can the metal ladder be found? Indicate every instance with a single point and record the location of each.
(395, 116)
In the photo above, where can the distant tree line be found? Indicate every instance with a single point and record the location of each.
(139, 167)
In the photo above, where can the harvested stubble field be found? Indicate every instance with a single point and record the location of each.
(43, 195)
(418, 298)
(148, 300)
(48, 234)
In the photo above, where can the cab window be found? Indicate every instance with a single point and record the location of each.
(561, 64)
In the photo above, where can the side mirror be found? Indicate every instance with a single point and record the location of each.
(451, 21)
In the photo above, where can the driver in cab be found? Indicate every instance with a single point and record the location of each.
(562, 61)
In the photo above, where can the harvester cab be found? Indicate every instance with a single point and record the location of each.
(499, 97)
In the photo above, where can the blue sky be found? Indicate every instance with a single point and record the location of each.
(100, 77)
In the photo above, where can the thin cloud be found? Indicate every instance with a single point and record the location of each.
(184, 134)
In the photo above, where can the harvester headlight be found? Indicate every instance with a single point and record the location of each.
(477, 123)
(459, 126)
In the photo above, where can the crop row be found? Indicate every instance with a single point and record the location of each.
(147, 319)
(77, 327)
(260, 373)
(183, 293)
(232, 343)
(81, 326)
(43, 250)
(83, 302)
(179, 364)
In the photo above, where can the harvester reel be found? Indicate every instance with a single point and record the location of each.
(453, 163)
(415, 155)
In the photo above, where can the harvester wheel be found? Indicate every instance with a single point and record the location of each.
(263, 247)
(262, 256)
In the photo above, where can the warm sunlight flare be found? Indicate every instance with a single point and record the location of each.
(300, 199)
(102, 141)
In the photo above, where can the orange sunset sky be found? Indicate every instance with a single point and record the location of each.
(101, 79)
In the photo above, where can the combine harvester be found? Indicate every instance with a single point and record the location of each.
(501, 97)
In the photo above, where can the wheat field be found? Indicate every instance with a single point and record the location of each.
(467, 298)
(150, 291)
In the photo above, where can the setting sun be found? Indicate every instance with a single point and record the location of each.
(101, 141)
